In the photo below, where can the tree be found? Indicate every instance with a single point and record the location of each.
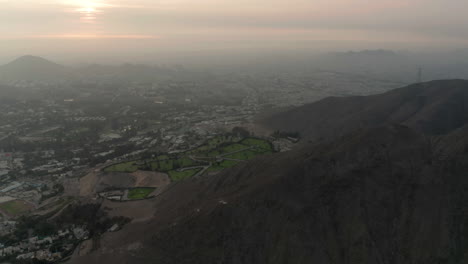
(241, 132)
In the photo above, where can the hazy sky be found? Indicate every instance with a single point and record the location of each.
(137, 26)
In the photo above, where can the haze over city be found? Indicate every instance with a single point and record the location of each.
(132, 30)
(233, 131)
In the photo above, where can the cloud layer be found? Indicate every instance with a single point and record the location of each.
(214, 24)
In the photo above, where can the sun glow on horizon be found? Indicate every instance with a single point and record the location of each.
(96, 36)
(222, 24)
(88, 10)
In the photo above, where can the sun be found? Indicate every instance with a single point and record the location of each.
(86, 9)
(85, 6)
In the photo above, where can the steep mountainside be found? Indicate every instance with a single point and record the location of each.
(432, 108)
(375, 196)
(388, 194)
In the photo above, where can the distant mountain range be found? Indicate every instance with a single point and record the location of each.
(367, 53)
(31, 68)
(387, 186)
(374, 64)
(37, 69)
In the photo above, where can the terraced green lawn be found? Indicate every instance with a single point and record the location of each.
(213, 153)
(128, 167)
(260, 143)
(164, 165)
(185, 162)
(214, 147)
(243, 155)
(139, 193)
(215, 142)
(233, 148)
(182, 175)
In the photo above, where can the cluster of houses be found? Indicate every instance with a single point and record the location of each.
(40, 248)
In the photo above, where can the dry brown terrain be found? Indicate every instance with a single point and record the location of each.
(138, 211)
(98, 181)
(150, 179)
(88, 183)
(375, 195)
(432, 108)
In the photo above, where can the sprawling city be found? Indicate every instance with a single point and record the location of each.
(159, 132)
(233, 132)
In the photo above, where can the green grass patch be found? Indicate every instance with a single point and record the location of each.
(213, 153)
(226, 149)
(223, 165)
(182, 175)
(129, 167)
(15, 207)
(139, 193)
(164, 165)
(244, 155)
(214, 147)
(260, 143)
(228, 163)
(233, 148)
(185, 162)
(216, 141)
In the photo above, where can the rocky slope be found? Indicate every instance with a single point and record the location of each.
(387, 194)
(432, 108)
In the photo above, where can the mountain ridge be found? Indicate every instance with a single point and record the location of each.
(380, 194)
(26, 60)
(34, 69)
(433, 107)
(31, 68)
(336, 202)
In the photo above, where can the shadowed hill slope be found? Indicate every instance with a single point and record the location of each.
(375, 196)
(388, 194)
(433, 108)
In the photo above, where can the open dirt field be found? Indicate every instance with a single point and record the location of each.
(138, 211)
(150, 179)
(97, 181)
